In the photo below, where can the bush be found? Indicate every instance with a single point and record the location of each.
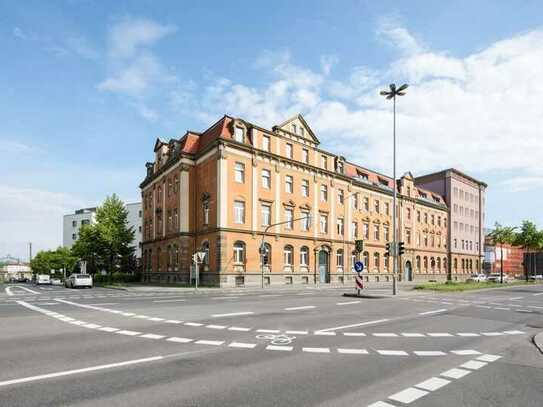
(117, 278)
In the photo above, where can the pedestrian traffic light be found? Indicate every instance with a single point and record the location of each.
(359, 245)
(401, 248)
(387, 246)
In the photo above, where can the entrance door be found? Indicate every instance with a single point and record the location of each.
(408, 274)
(324, 270)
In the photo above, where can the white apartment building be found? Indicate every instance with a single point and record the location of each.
(71, 224)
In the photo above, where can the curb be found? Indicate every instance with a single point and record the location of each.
(365, 296)
(538, 341)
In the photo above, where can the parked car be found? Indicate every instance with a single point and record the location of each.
(495, 277)
(536, 277)
(56, 281)
(43, 279)
(478, 278)
(78, 280)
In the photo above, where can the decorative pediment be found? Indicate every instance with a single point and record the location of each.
(158, 144)
(298, 126)
(305, 206)
(289, 203)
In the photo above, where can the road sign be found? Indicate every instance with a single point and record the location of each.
(199, 257)
(359, 282)
(359, 267)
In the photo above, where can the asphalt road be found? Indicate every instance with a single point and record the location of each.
(306, 347)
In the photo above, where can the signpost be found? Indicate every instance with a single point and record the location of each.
(359, 268)
(198, 259)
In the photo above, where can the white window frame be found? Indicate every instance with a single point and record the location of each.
(239, 172)
(239, 212)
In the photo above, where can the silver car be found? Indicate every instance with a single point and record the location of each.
(78, 280)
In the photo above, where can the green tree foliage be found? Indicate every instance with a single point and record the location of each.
(60, 259)
(503, 234)
(90, 247)
(529, 237)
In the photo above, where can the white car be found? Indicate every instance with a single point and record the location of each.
(78, 280)
(496, 278)
(478, 278)
(43, 279)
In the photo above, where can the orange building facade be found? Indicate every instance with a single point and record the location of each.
(237, 187)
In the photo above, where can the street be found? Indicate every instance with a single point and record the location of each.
(297, 347)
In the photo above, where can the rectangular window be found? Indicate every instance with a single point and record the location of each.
(408, 237)
(340, 196)
(206, 214)
(324, 162)
(266, 179)
(289, 184)
(324, 193)
(366, 204)
(386, 233)
(239, 172)
(354, 199)
(266, 214)
(238, 134)
(239, 212)
(266, 143)
(376, 232)
(432, 220)
(387, 208)
(340, 226)
(324, 223)
(354, 230)
(418, 216)
(305, 188)
(74, 223)
(289, 215)
(288, 256)
(305, 155)
(376, 206)
(306, 221)
(366, 231)
(288, 150)
(408, 213)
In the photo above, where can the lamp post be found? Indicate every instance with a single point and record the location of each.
(391, 94)
(345, 225)
(262, 248)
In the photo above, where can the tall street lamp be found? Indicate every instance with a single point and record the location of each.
(391, 94)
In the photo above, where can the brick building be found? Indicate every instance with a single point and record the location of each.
(224, 190)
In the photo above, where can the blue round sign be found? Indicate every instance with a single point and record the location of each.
(359, 267)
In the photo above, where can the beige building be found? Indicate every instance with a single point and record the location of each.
(235, 185)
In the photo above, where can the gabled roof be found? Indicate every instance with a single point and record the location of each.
(158, 143)
(300, 118)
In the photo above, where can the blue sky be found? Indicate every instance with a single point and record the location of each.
(87, 86)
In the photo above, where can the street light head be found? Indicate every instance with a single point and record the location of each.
(384, 93)
(391, 95)
(392, 87)
(403, 87)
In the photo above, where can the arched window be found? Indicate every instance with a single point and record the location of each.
(376, 260)
(417, 262)
(445, 265)
(463, 265)
(385, 261)
(432, 263)
(339, 258)
(455, 265)
(471, 265)
(267, 255)
(425, 263)
(239, 252)
(288, 255)
(158, 256)
(304, 256)
(476, 265)
(176, 255)
(438, 262)
(366, 260)
(205, 248)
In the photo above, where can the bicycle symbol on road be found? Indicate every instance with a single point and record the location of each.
(280, 339)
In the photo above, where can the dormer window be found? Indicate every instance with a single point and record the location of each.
(383, 182)
(362, 175)
(238, 134)
(340, 167)
(324, 162)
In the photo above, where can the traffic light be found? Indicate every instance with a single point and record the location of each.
(359, 245)
(388, 246)
(401, 248)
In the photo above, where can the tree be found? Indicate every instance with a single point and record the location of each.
(530, 239)
(90, 247)
(114, 233)
(502, 235)
(46, 261)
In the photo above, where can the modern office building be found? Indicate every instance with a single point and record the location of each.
(238, 186)
(71, 224)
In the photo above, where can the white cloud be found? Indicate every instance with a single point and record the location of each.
(480, 113)
(523, 183)
(328, 62)
(14, 147)
(32, 215)
(395, 35)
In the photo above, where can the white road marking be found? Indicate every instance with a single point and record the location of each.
(534, 306)
(503, 308)
(192, 324)
(492, 333)
(278, 347)
(152, 336)
(348, 302)
(455, 373)
(239, 328)
(242, 345)
(354, 334)
(316, 350)
(92, 326)
(433, 384)
(160, 301)
(538, 294)
(296, 332)
(467, 334)
(412, 335)
(378, 321)
(324, 333)
(173, 321)
(300, 308)
(465, 352)
(515, 298)
(207, 342)
(77, 371)
(381, 404)
(474, 365)
(8, 290)
(108, 329)
(408, 395)
(433, 312)
(232, 314)
(429, 353)
(353, 351)
(179, 340)
(216, 326)
(513, 332)
(128, 333)
(392, 352)
(106, 303)
(268, 331)
(488, 358)
(156, 319)
(384, 334)
(438, 334)
(524, 310)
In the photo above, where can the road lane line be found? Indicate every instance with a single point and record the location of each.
(8, 290)
(377, 321)
(465, 352)
(160, 301)
(412, 335)
(433, 384)
(208, 342)
(433, 312)
(268, 331)
(239, 328)
(193, 324)
(384, 334)
(279, 347)
(316, 350)
(322, 333)
(392, 352)
(128, 333)
(429, 353)
(348, 302)
(242, 345)
(438, 334)
(299, 308)
(173, 321)
(488, 358)
(349, 351)
(468, 334)
(408, 395)
(232, 314)
(455, 373)
(474, 365)
(152, 336)
(296, 332)
(354, 334)
(179, 340)
(216, 326)
(78, 371)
